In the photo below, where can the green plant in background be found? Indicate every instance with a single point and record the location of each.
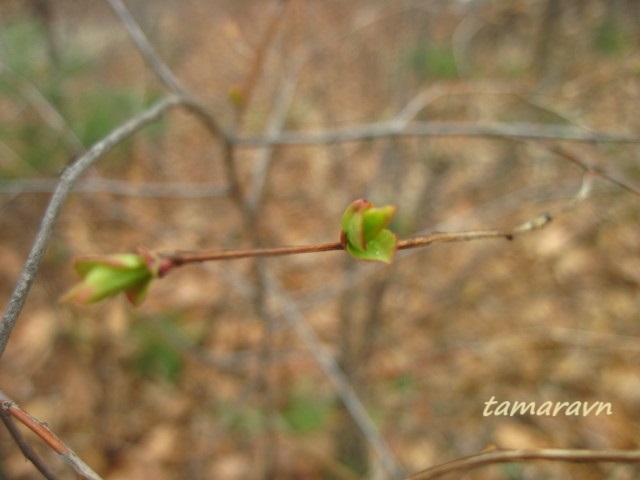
(23, 51)
(154, 357)
(242, 419)
(98, 110)
(307, 413)
(33, 88)
(432, 61)
(611, 38)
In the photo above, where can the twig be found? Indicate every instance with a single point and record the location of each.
(395, 128)
(47, 111)
(119, 187)
(164, 74)
(504, 456)
(613, 177)
(182, 258)
(281, 105)
(68, 178)
(338, 379)
(139, 38)
(466, 236)
(11, 409)
(26, 449)
(258, 63)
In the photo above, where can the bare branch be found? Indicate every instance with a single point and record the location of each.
(118, 187)
(448, 237)
(282, 103)
(183, 257)
(10, 408)
(26, 449)
(47, 111)
(164, 74)
(612, 177)
(504, 456)
(68, 179)
(140, 39)
(395, 128)
(338, 379)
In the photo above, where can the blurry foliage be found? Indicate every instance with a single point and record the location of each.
(153, 357)
(22, 48)
(240, 418)
(307, 412)
(102, 108)
(429, 61)
(91, 109)
(612, 39)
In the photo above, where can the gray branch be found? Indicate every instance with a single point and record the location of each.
(400, 128)
(68, 179)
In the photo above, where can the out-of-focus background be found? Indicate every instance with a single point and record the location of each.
(209, 378)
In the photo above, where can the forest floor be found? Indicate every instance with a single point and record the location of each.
(209, 378)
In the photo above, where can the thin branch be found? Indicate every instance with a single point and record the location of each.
(470, 235)
(68, 179)
(47, 111)
(164, 74)
(118, 187)
(26, 449)
(504, 456)
(183, 257)
(9, 407)
(140, 39)
(338, 379)
(612, 177)
(258, 63)
(395, 128)
(281, 105)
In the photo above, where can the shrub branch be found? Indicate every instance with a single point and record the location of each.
(9, 411)
(504, 456)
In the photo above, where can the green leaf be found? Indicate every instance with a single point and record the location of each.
(376, 219)
(107, 275)
(381, 248)
(364, 234)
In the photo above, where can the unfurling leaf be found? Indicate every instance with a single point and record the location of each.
(104, 276)
(364, 234)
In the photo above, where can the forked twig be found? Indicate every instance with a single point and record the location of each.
(612, 177)
(10, 410)
(26, 449)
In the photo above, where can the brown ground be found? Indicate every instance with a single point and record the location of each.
(181, 387)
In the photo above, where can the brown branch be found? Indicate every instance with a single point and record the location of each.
(504, 456)
(26, 449)
(184, 257)
(469, 235)
(11, 409)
